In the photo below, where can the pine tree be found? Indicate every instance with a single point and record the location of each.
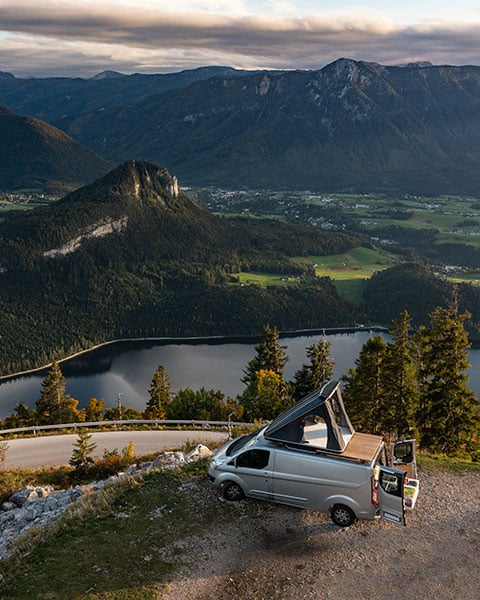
(448, 413)
(160, 395)
(363, 394)
(270, 356)
(266, 390)
(399, 381)
(319, 371)
(81, 457)
(54, 405)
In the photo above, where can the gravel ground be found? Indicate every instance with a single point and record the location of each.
(275, 552)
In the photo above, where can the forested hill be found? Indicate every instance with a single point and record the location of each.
(36, 155)
(132, 255)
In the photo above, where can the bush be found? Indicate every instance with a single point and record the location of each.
(113, 461)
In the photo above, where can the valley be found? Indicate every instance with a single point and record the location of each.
(389, 202)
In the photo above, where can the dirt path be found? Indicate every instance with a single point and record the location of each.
(274, 552)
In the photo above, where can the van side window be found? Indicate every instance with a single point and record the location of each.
(390, 483)
(254, 459)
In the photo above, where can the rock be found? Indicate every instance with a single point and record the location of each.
(24, 495)
(169, 460)
(198, 453)
(39, 506)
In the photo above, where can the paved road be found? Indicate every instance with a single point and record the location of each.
(55, 450)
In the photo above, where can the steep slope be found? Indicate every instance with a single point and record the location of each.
(36, 155)
(350, 126)
(51, 99)
(131, 255)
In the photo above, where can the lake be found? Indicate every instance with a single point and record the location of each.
(127, 368)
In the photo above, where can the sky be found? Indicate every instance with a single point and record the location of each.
(43, 38)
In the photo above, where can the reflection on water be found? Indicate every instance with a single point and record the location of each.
(128, 367)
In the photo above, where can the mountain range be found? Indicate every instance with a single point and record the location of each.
(351, 126)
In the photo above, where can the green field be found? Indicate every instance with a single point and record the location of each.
(359, 263)
(265, 279)
(471, 277)
(348, 271)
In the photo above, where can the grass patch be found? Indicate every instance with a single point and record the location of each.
(447, 463)
(125, 548)
(348, 270)
(351, 290)
(473, 278)
(265, 279)
(359, 263)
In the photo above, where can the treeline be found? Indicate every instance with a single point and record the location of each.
(162, 302)
(416, 288)
(416, 385)
(412, 386)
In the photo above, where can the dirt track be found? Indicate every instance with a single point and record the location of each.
(287, 554)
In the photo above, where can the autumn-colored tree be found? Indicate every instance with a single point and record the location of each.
(265, 397)
(94, 410)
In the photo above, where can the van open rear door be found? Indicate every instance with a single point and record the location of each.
(403, 456)
(390, 495)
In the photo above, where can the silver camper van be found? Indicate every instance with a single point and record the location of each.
(311, 457)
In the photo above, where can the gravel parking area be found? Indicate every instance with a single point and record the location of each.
(274, 552)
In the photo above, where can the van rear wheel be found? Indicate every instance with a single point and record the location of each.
(342, 516)
(232, 491)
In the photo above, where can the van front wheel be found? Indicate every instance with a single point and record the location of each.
(232, 491)
(342, 516)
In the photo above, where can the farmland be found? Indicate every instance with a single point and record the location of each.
(396, 227)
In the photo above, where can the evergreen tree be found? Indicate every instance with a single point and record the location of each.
(448, 411)
(160, 395)
(270, 356)
(319, 371)
(81, 457)
(54, 405)
(399, 381)
(266, 392)
(363, 395)
(204, 405)
(22, 416)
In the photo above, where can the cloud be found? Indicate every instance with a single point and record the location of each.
(67, 38)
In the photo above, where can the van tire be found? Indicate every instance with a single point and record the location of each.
(232, 491)
(342, 516)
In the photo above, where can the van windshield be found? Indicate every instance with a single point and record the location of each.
(240, 443)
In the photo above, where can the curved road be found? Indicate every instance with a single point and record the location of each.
(56, 450)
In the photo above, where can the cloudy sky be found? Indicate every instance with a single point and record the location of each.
(82, 37)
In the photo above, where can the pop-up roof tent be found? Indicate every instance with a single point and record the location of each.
(319, 420)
